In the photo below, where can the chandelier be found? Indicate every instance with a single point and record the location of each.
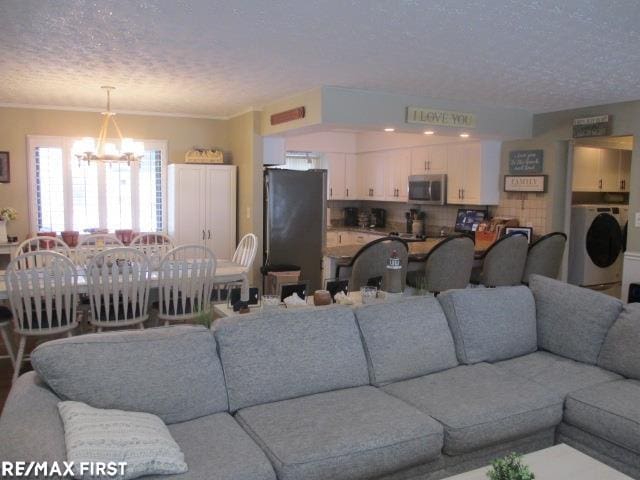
(100, 149)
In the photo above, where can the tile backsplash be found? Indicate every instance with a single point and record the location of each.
(529, 208)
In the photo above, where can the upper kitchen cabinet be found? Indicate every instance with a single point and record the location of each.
(342, 181)
(336, 178)
(601, 169)
(397, 167)
(429, 160)
(371, 171)
(473, 171)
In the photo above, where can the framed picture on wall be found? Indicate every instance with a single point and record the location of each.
(5, 172)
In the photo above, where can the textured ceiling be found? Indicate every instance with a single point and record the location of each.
(216, 58)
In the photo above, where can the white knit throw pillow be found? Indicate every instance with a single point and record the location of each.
(142, 440)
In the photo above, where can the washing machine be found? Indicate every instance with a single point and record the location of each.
(596, 246)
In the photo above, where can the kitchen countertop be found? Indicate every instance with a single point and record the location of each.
(417, 250)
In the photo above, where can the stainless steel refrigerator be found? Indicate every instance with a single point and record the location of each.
(295, 222)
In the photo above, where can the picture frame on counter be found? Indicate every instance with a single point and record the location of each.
(526, 183)
(528, 231)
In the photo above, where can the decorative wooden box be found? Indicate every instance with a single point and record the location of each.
(204, 156)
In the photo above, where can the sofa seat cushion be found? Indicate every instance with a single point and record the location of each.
(481, 405)
(217, 448)
(610, 411)
(491, 324)
(344, 434)
(557, 373)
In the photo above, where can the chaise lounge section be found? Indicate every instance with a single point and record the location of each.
(423, 388)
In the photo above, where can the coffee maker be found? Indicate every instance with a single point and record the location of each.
(350, 217)
(378, 218)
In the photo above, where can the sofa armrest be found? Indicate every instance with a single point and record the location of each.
(30, 426)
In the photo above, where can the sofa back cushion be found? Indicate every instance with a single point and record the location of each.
(406, 339)
(621, 350)
(277, 355)
(172, 372)
(491, 324)
(572, 321)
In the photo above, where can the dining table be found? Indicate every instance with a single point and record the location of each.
(226, 272)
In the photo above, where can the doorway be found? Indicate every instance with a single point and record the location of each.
(596, 211)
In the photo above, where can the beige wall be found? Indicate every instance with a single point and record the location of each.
(181, 134)
(246, 145)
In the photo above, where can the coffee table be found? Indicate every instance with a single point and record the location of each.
(560, 462)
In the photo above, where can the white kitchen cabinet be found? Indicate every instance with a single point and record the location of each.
(429, 160)
(397, 165)
(473, 171)
(332, 238)
(625, 170)
(342, 181)
(371, 176)
(336, 178)
(202, 206)
(351, 176)
(600, 169)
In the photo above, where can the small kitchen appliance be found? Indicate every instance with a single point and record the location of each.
(378, 218)
(350, 217)
(428, 189)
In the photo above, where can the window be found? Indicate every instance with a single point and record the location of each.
(301, 161)
(67, 194)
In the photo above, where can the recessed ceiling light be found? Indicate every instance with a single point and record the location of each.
(464, 135)
(389, 129)
(429, 132)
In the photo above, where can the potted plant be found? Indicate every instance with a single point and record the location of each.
(510, 468)
(7, 214)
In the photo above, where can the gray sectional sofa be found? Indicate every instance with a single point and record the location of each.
(423, 388)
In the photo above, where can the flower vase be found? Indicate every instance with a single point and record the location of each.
(3, 232)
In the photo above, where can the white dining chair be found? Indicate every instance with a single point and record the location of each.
(91, 245)
(185, 281)
(43, 299)
(246, 250)
(118, 287)
(39, 244)
(154, 245)
(5, 332)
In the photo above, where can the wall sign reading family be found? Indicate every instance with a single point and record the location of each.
(443, 118)
(526, 161)
(525, 183)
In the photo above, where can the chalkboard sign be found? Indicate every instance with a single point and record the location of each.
(525, 161)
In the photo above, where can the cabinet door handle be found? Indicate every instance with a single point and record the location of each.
(339, 238)
(209, 234)
(600, 184)
(347, 192)
(429, 165)
(203, 234)
(331, 192)
(463, 194)
(425, 165)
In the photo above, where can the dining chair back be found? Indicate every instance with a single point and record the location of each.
(93, 244)
(118, 285)
(245, 253)
(154, 245)
(447, 266)
(503, 262)
(39, 244)
(43, 299)
(185, 282)
(370, 262)
(545, 256)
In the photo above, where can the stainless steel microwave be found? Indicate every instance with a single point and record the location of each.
(428, 189)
